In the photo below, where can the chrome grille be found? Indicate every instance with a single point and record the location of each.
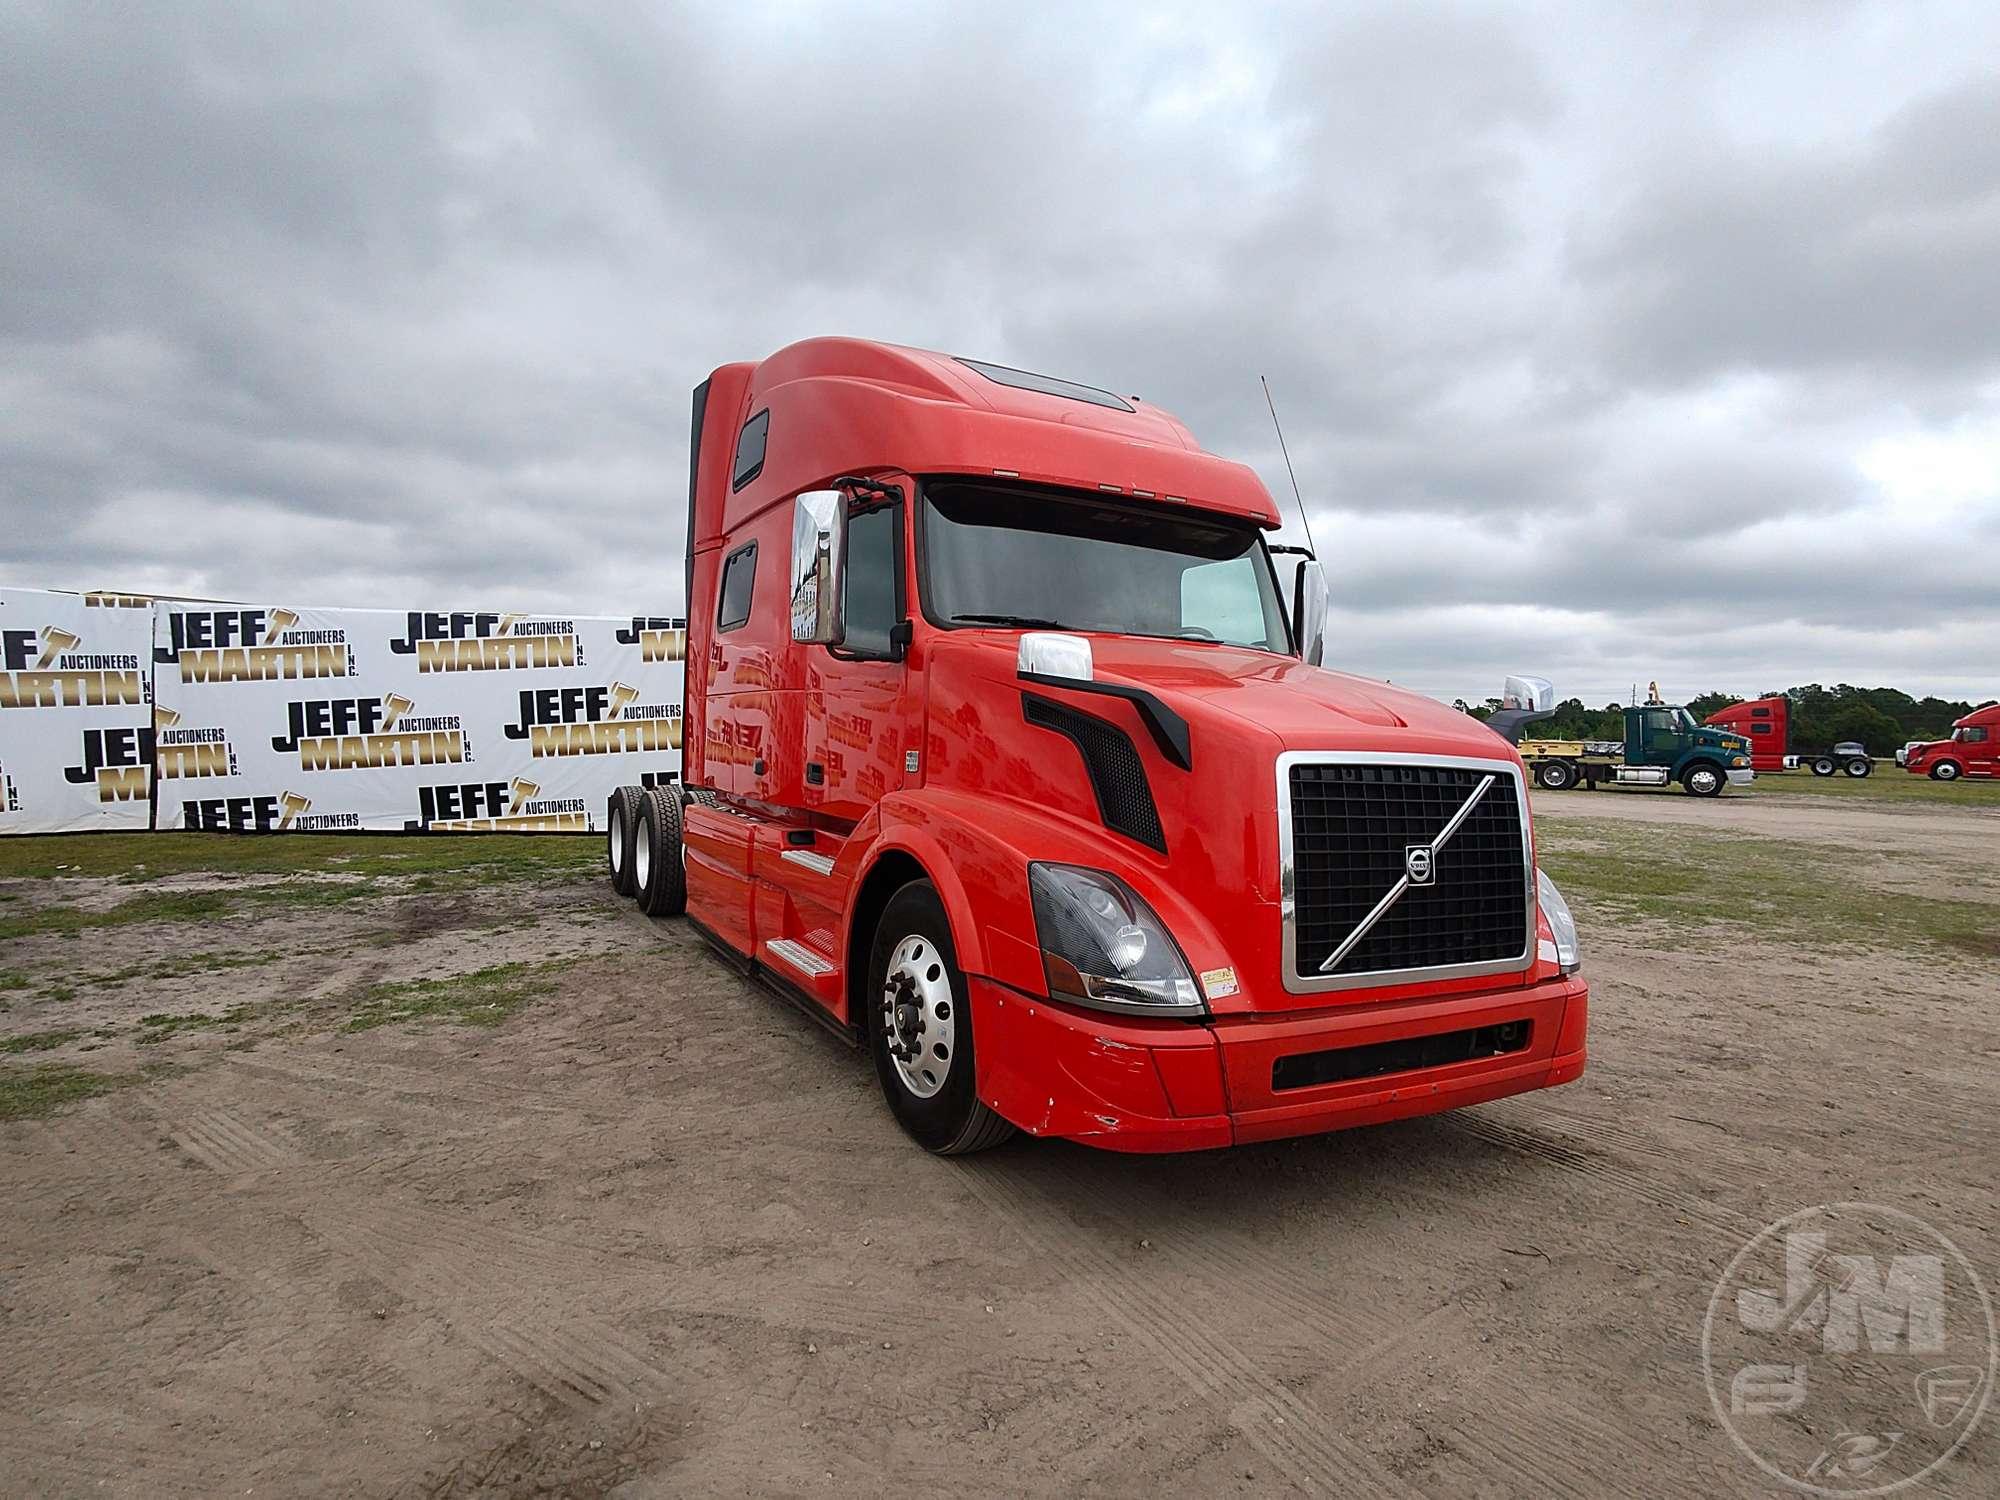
(1360, 909)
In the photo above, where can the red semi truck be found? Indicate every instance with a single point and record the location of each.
(1006, 759)
(1767, 722)
(1972, 750)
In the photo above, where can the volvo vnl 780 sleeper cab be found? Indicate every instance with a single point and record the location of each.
(1005, 756)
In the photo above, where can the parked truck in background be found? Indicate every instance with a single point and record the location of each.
(1973, 749)
(1767, 722)
(1663, 746)
(1006, 759)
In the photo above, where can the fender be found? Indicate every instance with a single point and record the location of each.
(940, 844)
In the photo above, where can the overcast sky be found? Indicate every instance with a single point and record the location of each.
(1612, 342)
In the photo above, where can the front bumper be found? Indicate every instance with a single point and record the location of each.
(1741, 778)
(1144, 1085)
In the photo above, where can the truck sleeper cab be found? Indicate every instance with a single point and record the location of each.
(1004, 758)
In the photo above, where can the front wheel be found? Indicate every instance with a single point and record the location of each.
(920, 1028)
(1945, 770)
(1703, 781)
(1858, 767)
(1556, 775)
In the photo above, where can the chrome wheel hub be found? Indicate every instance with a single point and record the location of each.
(919, 1016)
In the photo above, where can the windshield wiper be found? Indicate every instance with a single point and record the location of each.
(1032, 622)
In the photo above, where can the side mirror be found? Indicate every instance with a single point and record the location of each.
(1309, 606)
(819, 560)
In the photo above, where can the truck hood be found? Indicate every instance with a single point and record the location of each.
(1306, 707)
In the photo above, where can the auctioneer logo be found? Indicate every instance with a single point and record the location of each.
(290, 812)
(119, 762)
(180, 751)
(252, 645)
(487, 643)
(657, 637)
(594, 721)
(515, 806)
(340, 734)
(44, 669)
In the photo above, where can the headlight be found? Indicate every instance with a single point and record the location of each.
(1102, 946)
(1568, 955)
(1739, 760)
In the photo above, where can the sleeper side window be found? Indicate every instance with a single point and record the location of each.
(750, 450)
(739, 577)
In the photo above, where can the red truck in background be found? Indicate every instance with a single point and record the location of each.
(1767, 722)
(1972, 750)
(1006, 758)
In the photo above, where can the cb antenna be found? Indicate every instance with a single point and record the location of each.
(1304, 519)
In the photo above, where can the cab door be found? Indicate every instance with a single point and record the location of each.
(855, 724)
(1982, 750)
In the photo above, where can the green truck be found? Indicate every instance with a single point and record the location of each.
(1663, 745)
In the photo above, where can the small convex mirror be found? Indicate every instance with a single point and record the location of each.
(819, 553)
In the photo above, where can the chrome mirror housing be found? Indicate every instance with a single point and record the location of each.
(819, 557)
(1309, 609)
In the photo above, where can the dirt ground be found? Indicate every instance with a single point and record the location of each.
(648, 1232)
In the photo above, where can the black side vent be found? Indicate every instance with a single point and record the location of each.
(1117, 775)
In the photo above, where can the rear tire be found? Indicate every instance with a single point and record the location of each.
(659, 864)
(1858, 767)
(1556, 775)
(1823, 765)
(919, 1022)
(1704, 780)
(1945, 770)
(621, 814)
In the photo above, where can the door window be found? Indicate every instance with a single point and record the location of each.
(872, 582)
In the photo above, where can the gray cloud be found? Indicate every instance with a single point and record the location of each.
(1634, 344)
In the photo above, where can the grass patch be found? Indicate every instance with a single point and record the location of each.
(159, 1026)
(149, 856)
(61, 993)
(37, 1041)
(1698, 878)
(485, 997)
(155, 906)
(189, 963)
(11, 979)
(1890, 783)
(30, 1093)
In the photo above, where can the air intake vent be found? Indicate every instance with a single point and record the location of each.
(1117, 775)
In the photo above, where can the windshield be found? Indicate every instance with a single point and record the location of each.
(1683, 720)
(1000, 556)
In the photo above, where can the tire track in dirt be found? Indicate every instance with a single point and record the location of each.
(1293, 1437)
(1227, 1257)
(425, 1087)
(98, 1462)
(1601, 1166)
(225, 1142)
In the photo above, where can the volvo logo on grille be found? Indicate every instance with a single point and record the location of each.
(1419, 863)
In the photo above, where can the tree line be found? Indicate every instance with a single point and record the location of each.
(1883, 719)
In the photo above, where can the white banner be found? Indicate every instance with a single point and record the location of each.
(75, 712)
(308, 720)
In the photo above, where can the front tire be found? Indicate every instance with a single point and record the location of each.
(1704, 781)
(659, 865)
(1857, 768)
(920, 1028)
(1945, 770)
(621, 816)
(1556, 775)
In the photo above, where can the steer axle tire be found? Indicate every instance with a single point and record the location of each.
(1704, 780)
(659, 863)
(1945, 770)
(918, 1015)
